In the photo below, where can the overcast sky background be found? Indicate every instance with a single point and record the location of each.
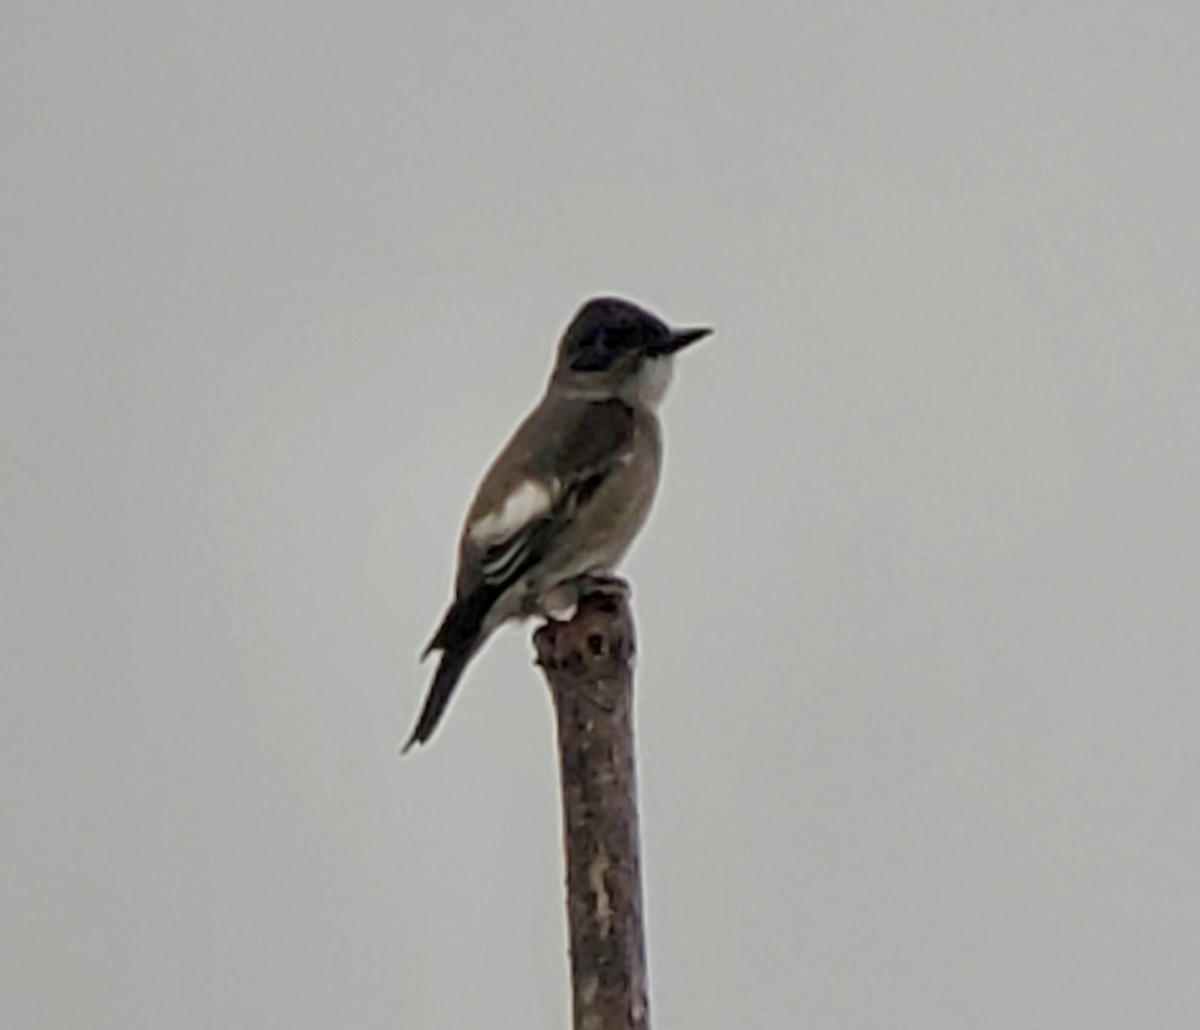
(918, 603)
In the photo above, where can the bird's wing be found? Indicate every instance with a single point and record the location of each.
(556, 460)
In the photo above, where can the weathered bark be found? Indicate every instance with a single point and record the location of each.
(588, 663)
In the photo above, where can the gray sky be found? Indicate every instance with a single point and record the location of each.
(918, 604)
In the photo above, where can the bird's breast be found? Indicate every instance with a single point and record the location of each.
(607, 524)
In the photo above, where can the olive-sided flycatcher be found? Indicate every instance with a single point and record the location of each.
(568, 493)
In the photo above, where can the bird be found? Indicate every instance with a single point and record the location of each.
(566, 496)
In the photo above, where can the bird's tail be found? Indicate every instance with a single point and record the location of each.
(458, 638)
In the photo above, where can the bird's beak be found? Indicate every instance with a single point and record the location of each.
(677, 339)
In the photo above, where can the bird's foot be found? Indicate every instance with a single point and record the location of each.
(602, 588)
(599, 629)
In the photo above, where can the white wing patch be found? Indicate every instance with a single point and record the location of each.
(529, 501)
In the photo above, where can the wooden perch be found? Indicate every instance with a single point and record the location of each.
(588, 662)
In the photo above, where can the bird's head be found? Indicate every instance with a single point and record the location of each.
(614, 347)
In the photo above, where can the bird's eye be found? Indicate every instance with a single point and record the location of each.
(596, 353)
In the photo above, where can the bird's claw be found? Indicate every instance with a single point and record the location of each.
(606, 588)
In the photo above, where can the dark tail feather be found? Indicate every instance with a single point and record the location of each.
(449, 671)
(458, 638)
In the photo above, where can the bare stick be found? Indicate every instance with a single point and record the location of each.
(588, 663)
